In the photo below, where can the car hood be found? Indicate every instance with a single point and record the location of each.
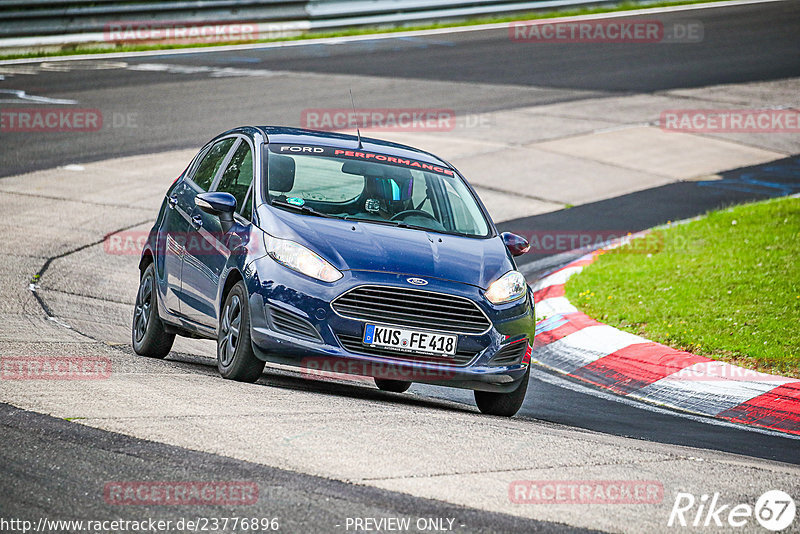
(364, 246)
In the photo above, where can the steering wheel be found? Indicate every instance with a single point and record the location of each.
(413, 212)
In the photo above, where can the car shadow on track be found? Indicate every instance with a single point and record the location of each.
(360, 388)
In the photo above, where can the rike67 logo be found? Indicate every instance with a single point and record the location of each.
(775, 510)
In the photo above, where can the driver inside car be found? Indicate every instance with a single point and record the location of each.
(386, 197)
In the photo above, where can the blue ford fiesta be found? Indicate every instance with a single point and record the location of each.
(339, 255)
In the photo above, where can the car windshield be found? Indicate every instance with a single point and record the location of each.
(365, 186)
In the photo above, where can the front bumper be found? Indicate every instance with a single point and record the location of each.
(293, 323)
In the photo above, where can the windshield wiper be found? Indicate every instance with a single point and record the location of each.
(398, 224)
(427, 229)
(305, 210)
(417, 227)
(377, 221)
(401, 224)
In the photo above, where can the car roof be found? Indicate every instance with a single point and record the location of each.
(302, 136)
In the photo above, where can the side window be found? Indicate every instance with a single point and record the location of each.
(419, 195)
(211, 161)
(237, 178)
(463, 219)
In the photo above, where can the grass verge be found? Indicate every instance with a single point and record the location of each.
(70, 50)
(726, 286)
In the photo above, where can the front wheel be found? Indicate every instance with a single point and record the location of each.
(235, 357)
(147, 332)
(503, 404)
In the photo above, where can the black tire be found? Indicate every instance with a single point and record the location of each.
(235, 357)
(147, 331)
(503, 404)
(395, 386)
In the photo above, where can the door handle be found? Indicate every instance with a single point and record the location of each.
(197, 221)
(172, 201)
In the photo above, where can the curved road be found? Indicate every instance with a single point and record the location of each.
(470, 72)
(171, 101)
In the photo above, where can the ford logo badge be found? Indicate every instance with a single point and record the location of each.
(417, 281)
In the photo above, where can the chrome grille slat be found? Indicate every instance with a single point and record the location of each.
(390, 301)
(413, 308)
(393, 313)
(419, 294)
(394, 321)
(414, 299)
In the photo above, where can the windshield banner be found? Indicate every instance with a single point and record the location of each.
(363, 155)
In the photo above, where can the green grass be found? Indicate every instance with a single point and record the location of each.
(726, 286)
(69, 50)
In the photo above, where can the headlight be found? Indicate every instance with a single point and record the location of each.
(508, 287)
(297, 257)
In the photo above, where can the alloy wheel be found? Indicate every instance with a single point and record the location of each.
(231, 320)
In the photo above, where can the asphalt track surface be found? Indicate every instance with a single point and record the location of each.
(71, 458)
(672, 202)
(740, 44)
(196, 108)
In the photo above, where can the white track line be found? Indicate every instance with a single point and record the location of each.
(558, 381)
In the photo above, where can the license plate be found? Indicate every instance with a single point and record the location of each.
(410, 340)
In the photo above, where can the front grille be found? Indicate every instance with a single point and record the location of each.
(354, 344)
(413, 308)
(290, 324)
(509, 354)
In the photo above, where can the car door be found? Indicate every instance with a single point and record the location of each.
(201, 179)
(204, 263)
(175, 229)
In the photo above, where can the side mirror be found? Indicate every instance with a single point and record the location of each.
(219, 204)
(516, 244)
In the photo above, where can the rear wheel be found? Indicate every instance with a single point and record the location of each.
(235, 357)
(395, 386)
(503, 404)
(147, 332)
